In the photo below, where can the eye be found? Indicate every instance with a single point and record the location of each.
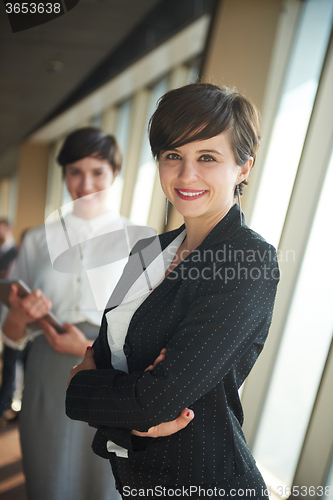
(73, 172)
(172, 156)
(207, 158)
(98, 173)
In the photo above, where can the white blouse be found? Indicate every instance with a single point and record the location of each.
(76, 262)
(119, 318)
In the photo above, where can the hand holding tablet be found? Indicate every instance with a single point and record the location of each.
(22, 291)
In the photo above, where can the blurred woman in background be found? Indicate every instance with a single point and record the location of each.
(72, 264)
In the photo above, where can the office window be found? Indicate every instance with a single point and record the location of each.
(147, 168)
(96, 120)
(292, 119)
(193, 72)
(122, 135)
(302, 353)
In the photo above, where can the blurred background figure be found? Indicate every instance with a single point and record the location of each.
(8, 248)
(8, 252)
(61, 261)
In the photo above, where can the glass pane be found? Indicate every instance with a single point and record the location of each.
(122, 136)
(96, 121)
(123, 126)
(302, 353)
(292, 118)
(193, 73)
(147, 169)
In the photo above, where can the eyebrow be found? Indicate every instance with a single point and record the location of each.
(73, 167)
(210, 151)
(199, 151)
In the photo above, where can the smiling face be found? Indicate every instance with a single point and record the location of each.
(88, 180)
(199, 178)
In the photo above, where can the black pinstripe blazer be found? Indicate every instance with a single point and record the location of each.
(212, 313)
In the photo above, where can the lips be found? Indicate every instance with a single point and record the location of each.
(190, 194)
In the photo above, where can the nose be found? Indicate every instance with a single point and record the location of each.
(87, 185)
(188, 171)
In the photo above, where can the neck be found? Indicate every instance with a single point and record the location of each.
(88, 212)
(198, 228)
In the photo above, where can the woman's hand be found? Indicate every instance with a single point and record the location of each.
(24, 310)
(160, 357)
(29, 308)
(166, 428)
(72, 341)
(88, 363)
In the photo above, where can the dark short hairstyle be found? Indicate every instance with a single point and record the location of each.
(90, 141)
(200, 111)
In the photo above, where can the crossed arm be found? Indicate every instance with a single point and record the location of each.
(224, 329)
(161, 430)
(36, 305)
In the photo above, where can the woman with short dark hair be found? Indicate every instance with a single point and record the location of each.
(74, 260)
(90, 142)
(191, 314)
(201, 111)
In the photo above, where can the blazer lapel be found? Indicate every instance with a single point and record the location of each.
(219, 234)
(142, 255)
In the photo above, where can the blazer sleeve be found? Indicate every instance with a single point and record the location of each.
(231, 311)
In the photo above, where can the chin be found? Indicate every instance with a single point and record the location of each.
(88, 198)
(189, 213)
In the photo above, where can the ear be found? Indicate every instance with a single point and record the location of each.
(245, 170)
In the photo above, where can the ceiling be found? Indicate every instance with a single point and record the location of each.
(31, 85)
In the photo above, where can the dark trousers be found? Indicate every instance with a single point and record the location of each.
(9, 359)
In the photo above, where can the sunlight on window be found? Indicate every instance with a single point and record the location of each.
(292, 119)
(122, 136)
(147, 170)
(302, 353)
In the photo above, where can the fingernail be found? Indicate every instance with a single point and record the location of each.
(89, 348)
